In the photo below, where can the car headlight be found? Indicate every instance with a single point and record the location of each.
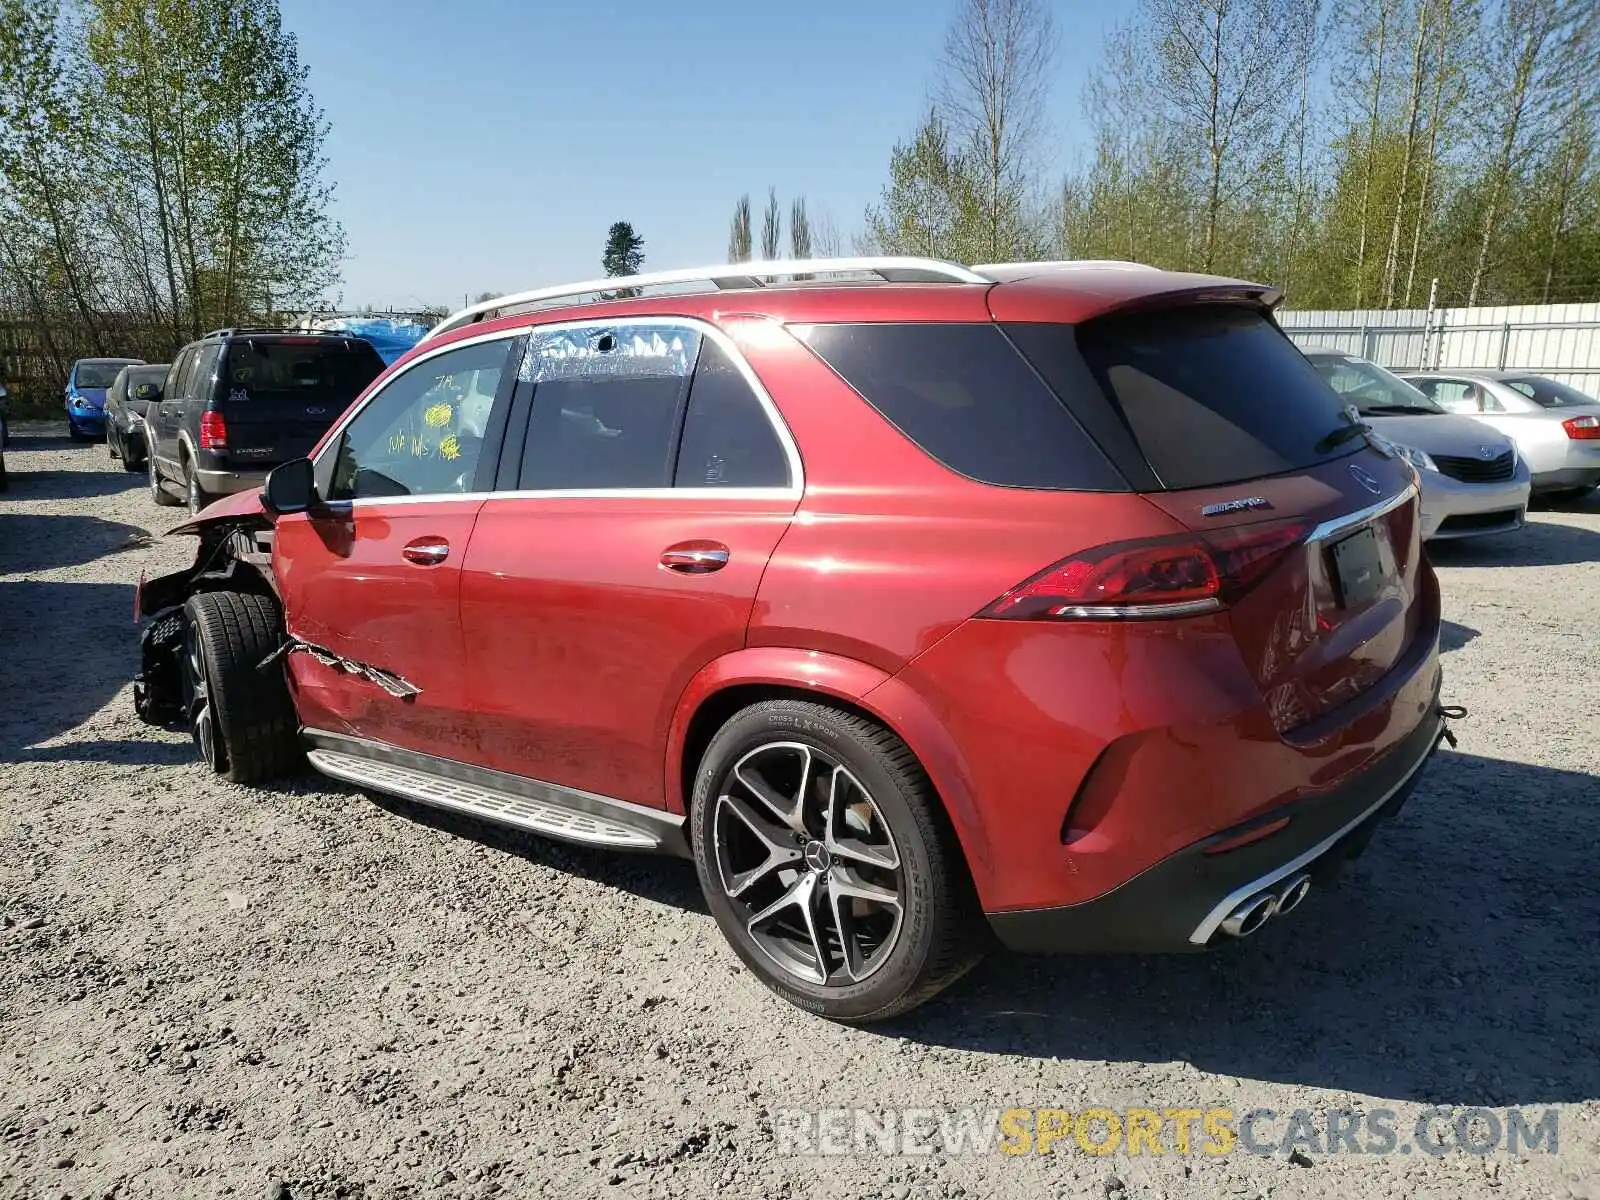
(1417, 458)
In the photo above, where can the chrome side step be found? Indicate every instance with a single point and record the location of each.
(544, 809)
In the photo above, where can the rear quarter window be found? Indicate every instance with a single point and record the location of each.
(1214, 394)
(967, 397)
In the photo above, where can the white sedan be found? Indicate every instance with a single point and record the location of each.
(1555, 426)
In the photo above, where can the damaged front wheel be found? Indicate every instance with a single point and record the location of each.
(240, 716)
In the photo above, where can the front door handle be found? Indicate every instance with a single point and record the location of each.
(695, 558)
(426, 551)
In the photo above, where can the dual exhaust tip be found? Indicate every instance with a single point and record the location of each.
(1263, 906)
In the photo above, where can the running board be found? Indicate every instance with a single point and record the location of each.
(541, 808)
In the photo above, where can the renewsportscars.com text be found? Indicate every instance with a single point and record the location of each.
(1097, 1130)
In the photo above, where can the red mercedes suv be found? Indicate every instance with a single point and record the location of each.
(916, 602)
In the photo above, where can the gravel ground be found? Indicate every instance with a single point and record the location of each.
(299, 992)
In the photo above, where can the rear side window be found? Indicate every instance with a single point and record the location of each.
(205, 373)
(186, 380)
(1547, 393)
(1214, 394)
(967, 397)
(606, 406)
(332, 371)
(728, 440)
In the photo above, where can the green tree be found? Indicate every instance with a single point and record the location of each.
(799, 229)
(993, 91)
(739, 231)
(771, 227)
(212, 145)
(624, 252)
(934, 204)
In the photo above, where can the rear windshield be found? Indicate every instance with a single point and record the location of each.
(1547, 393)
(966, 397)
(322, 369)
(1213, 394)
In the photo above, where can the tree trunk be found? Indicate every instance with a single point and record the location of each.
(1391, 263)
(1372, 154)
(1569, 169)
(1214, 144)
(1517, 102)
(1434, 120)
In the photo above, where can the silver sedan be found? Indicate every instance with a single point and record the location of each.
(1555, 426)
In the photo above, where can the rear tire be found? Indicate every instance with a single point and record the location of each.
(158, 493)
(195, 495)
(893, 918)
(242, 719)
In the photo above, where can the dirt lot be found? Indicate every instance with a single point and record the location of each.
(298, 992)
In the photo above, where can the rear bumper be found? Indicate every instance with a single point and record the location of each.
(226, 483)
(1179, 904)
(1571, 477)
(1452, 508)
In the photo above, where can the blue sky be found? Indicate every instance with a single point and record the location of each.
(488, 144)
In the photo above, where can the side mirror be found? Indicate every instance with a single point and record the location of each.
(291, 488)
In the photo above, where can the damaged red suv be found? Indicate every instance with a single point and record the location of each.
(919, 604)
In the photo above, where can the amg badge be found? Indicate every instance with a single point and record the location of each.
(1228, 506)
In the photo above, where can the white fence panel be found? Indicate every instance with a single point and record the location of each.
(1561, 341)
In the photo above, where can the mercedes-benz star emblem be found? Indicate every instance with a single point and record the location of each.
(1365, 479)
(816, 857)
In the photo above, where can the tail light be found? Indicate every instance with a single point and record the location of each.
(1582, 429)
(213, 431)
(1152, 577)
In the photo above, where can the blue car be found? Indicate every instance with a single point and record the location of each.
(86, 395)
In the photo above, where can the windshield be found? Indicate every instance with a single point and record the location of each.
(1547, 393)
(1369, 387)
(100, 374)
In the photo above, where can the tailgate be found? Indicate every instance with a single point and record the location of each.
(267, 430)
(278, 395)
(1341, 609)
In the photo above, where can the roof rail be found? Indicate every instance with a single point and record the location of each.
(229, 332)
(725, 275)
(996, 270)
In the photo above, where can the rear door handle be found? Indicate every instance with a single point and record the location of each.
(695, 558)
(426, 551)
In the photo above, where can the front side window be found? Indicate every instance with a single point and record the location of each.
(606, 405)
(1452, 395)
(422, 434)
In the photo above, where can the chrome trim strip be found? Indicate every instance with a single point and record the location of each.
(1114, 611)
(1337, 525)
(791, 449)
(935, 269)
(1233, 899)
